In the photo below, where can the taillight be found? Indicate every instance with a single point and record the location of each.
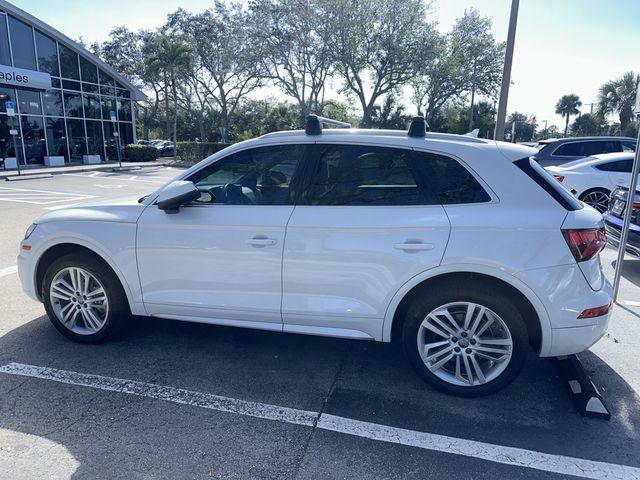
(596, 312)
(585, 243)
(560, 178)
(636, 205)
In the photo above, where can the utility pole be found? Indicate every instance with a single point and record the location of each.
(498, 134)
(544, 134)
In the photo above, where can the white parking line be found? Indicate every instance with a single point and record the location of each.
(120, 178)
(38, 197)
(632, 303)
(517, 457)
(8, 271)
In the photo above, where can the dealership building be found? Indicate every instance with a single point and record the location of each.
(68, 105)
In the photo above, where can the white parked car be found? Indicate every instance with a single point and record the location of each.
(464, 249)
(592, 179)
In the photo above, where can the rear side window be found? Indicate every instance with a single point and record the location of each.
(371, 175)
(628, 147)
(549, 184)
(584, 149)
(624, 166)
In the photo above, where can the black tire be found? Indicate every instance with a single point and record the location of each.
(454, 295)
(118, 312)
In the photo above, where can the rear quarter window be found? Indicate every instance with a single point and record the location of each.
(549, 184)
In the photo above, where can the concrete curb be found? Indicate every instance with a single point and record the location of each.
(45, 173)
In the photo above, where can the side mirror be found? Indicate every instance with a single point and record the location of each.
(176, 194)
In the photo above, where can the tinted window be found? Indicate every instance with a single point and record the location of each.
(29, 102)
(52, 102)
(259, 176)
(628, 147)
(69, 63)
(619, 166)
(369, 175)
(73, 104)
(91, 106)
(5, 57)
(47, 54)
(35, 145)
(6, 94)
(584, 149)
(24, 54)
(89, 71)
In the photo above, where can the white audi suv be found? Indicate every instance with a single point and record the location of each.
(463, 249)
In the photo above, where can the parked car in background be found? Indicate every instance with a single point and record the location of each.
(614, 218)
(593, 178)
(563, 150)
(464, 250)
(165, 148)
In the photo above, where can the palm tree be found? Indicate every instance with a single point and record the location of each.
(166, 59)
(619, 96)
(568, 105)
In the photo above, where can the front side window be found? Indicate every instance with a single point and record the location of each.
(371, 175)
(258, 176)
(628, 147)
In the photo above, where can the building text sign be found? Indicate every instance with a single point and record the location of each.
(19, 77)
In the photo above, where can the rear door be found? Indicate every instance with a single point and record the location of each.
(365, 225)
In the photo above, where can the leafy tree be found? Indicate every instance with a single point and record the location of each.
(523, 131)
(342, 111)
(377, 45)
(468, 59)
(483, 114)
(390, 115)
(587, 124)
(294, 54)
(228, 55)
(168, 58)
(568, 105)
(619, 96)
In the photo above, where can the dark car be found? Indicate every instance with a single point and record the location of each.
(562, 150)
(614, 218)
(165, 149)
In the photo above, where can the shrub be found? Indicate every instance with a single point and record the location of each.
(193, 152)
(140, 153)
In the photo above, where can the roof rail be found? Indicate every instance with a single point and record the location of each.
(418, 128)
(315, 123)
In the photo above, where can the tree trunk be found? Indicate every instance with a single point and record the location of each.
(167, 111)
(175, 114)
(566, 125)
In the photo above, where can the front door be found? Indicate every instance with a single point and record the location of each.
(219, 259)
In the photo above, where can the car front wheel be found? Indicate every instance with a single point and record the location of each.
(466, 340)
(83, 298)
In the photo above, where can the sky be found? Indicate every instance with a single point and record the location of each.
(562, 46)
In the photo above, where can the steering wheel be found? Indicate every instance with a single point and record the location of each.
(232, 193)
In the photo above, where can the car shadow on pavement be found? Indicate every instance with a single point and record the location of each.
(630, 270)
(366, 381)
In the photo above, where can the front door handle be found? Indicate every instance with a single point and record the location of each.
(414, 247)
(261, 241)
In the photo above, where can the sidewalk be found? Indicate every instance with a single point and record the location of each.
(32, 171)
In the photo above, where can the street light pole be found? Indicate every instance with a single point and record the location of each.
(498, 134)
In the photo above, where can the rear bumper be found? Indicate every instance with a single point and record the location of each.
(567, 341)
(613, 226)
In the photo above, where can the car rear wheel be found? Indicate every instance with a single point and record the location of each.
(597, 198)
(84, 298)
(466, 340)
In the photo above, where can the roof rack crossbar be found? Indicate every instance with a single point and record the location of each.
(315, 124)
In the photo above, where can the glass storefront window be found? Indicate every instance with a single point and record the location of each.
(52, 103)
(124, 110)
(77, 139)
(108, 105)
(55, 83)
(90, 88)
(35, 145)
(88, 70)
(70, 85)
(24, 53)
(47, 54)
(123, 93)
(5, 53)
(73, 104)
(126, 134)
(6, 140)
(94, 138)
(91, 106)
(6, 94)
(29, 102)
(57, 138)
(110, 141)
(68, 63)
(106, 79)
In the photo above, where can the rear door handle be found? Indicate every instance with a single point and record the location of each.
(414, 247)
(261, 241)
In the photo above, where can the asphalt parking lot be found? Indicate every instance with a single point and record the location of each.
(179, 400)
